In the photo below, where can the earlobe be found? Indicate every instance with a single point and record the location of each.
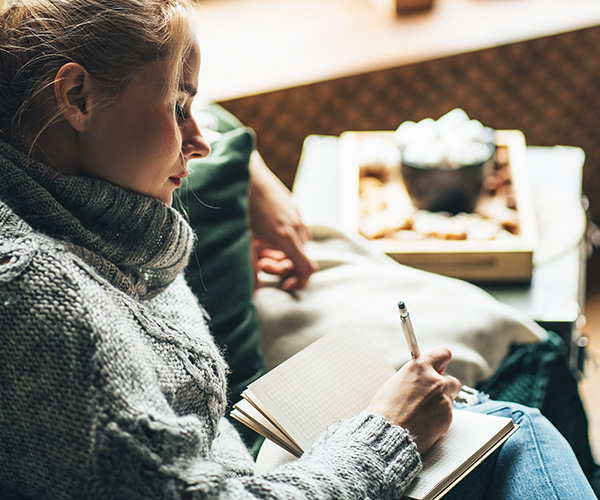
(72, 90)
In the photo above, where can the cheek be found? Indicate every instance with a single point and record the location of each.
(160, 134)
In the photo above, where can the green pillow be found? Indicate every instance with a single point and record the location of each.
(215, 117)
(215, 199)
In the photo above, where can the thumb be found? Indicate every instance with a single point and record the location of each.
(439, 358)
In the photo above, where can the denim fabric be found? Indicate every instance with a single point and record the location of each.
(536, 462)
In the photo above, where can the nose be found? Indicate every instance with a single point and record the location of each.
(194, 145)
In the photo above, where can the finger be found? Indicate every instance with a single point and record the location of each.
(290, 284)
(303, 274)
(274, 261)
(271, 253)
(304, 266)
(454, 386)
(277, 267)
(305, 234)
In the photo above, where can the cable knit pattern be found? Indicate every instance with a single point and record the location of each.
(138, 243)
(110, 384)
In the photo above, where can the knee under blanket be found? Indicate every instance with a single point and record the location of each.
(358, 289)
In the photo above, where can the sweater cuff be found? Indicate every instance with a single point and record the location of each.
(394, 446)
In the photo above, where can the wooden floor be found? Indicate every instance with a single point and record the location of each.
(590, 384)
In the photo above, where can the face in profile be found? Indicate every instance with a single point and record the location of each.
(144, 138)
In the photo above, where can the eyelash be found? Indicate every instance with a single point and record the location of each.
(180, 112)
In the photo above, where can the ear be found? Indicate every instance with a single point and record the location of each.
(73, 90)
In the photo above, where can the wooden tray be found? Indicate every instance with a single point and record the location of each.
(496, 260)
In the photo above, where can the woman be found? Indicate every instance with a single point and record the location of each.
(111, 384)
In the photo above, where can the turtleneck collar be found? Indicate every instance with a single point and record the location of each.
(138, 243)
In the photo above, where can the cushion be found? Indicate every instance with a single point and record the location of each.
(215, 199)
(215, 117)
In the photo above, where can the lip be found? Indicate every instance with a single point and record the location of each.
(176, 179)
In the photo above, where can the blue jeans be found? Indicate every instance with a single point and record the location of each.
(536, 462)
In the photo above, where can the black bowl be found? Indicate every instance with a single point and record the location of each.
(441, 189)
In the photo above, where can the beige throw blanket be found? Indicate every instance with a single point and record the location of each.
(358, 289)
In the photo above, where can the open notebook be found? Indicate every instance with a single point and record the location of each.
(335, 378)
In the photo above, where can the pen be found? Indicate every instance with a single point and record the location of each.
(409, 333)
(467, 394)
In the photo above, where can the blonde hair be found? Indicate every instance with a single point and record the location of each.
(111, 39)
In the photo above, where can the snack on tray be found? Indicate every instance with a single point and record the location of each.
(387, 212)
(444, 161)
(449, 143)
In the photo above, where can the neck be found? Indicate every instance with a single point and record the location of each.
(48, 137)
(56, 146)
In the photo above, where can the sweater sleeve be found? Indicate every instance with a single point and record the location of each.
(362, 457)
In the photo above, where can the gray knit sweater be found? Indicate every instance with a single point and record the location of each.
(110, 384)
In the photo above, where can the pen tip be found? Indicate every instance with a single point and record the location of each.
(401, 305)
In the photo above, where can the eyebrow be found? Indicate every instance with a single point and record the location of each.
(190, 89)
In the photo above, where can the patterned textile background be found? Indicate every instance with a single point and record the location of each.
(547, 87)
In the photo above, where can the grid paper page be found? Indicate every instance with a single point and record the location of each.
(468, 433)
(331, 379)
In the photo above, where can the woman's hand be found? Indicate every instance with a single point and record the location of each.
(280, 234)
(419, 397)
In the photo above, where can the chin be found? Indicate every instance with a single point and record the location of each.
(165, 197)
